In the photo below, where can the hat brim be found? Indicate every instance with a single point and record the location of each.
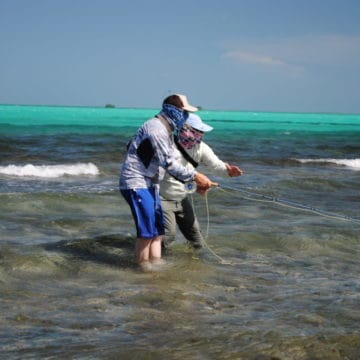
(196, 123)
(186, 106)
(190, 108)
(203, 128)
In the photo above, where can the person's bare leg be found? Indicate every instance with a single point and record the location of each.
(155, 249)
(142, 250)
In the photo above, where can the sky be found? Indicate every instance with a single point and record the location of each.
(245, 55)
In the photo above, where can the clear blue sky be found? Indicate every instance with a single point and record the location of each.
(257, 55)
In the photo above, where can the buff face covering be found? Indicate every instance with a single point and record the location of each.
(189, 137)
(176, 115)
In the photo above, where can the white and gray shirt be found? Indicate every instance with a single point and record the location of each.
(150, 153)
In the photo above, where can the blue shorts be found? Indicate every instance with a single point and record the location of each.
(146, 210)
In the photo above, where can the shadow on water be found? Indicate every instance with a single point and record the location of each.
(113, 250)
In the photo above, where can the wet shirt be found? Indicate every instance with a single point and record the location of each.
(151, 153)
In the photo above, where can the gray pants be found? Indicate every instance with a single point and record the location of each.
(182, 214)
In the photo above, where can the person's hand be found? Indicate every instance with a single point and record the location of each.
(203, 183)
(233, 170)
(202, 191)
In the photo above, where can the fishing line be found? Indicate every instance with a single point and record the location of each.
(218, 257)
(287, 203)
(266, 199)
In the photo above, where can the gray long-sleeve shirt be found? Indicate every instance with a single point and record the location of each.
(150, 154)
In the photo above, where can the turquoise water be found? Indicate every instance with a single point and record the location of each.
(280, 279)
(107, 117)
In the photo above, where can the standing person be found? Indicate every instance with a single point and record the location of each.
(150, 153)
(177, 207)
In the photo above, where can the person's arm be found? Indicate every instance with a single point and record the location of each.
(210, 159)
(166, 155)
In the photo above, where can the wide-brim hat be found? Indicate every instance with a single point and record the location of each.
(196, 123)
(181, 102)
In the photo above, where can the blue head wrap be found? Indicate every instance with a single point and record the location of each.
(177, 116)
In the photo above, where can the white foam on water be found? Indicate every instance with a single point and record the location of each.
(350, 163)
(50, 171)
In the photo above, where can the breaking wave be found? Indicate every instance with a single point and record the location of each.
(349, 163)
(50, 171)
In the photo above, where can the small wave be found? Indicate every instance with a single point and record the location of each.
(49, 171)
(350, 163)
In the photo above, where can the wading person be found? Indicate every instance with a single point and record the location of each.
(191, 151)
(150, 154)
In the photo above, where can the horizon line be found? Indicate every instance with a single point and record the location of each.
(202, 109)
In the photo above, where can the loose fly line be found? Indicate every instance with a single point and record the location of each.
(286, 203)
(254, 196)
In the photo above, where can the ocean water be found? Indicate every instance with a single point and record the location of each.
(280, 278)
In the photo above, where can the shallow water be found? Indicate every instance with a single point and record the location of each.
(277, 281)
